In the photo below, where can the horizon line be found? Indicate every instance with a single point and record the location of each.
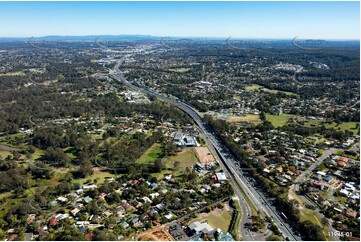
(174, 36)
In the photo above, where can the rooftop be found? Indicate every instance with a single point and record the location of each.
(201, 227)
(221, 176)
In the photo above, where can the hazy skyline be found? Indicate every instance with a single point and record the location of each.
(326, 20)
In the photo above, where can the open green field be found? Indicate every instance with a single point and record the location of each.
(37, 70)
(277, 91)
(313, 123)
(98, 175)
(7, 204)
(5, 150)
(216, 221)
(342, 153)
(249, 118)
(4, 154)
(186, 158)
(5, 195)
(338, 152)
(70, 152)
(341, 200)
(179, 70)
(160, 175)
(255, 87)
(316, 139)
(278, 120)
(153, 153)
(307, 214)
(18, 73)
(38, 153)
(352, 126)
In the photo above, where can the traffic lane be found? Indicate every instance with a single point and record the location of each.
(283, 228)
(195, 116)
(178, 104)
(188, 110)
(288, 230)
(244, 206)
(270, 210)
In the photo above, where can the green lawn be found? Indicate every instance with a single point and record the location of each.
(38, 153)
(274, 91)
(313, 123)
(4, 154)
(18, 73)
(316, 139)
(278, 120)
(186, 158)
(324, 193)
(341, 200)
(320, 152)
(160, 175)
(153, 153)
(307, 214)
(338, 152)
(179, 70)
(223, 221)
(100, 176)
(253, 87)
(342, 153)
(7, 205)
(70, 152)
(5, 195)
(344, 126)
(352, 126)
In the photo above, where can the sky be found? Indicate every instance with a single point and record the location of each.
(317, 20)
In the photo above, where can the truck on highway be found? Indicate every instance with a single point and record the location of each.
(283, 216)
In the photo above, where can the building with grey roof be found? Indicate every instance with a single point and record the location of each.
(204, 228)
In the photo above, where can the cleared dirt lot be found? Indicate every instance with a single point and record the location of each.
(203, 154)
(159, 233)
(249, 118)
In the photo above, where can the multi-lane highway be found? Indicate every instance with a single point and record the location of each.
(209, 139)
(246, 234)
(228, 163)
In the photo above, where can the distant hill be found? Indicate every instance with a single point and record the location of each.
(83, 38)
(247, 41)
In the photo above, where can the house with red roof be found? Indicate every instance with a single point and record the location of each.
(341, 163)
(12, 237)
(317, 184)
(102, 196)
(89, 236)
(344, 159)
(53, 222)
(351, 214)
